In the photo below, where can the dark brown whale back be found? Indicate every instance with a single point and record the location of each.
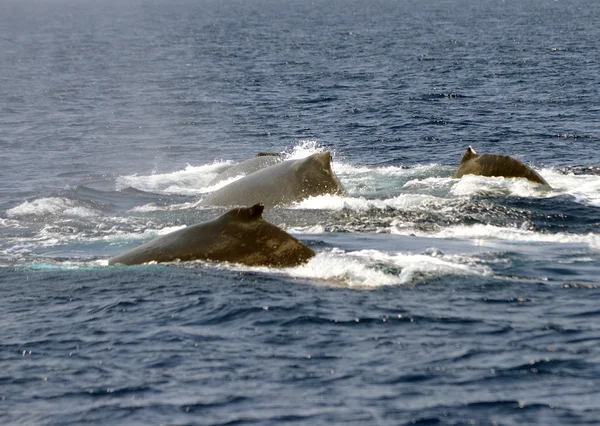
(496, 165)
(240, 235)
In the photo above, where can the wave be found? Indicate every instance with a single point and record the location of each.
(9, 223)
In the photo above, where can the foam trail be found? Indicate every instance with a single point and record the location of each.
(473, 184)
(373, 269)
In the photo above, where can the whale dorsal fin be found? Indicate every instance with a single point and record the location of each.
(245, 213)
(469, 154)
(256, 211)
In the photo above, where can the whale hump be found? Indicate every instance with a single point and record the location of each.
(280, 184)
(240, 235)
(496, 165)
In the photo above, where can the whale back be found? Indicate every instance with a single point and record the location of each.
(280, 184)
(496, 165)
(240, 235)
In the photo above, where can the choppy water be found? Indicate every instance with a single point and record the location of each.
(430, 301)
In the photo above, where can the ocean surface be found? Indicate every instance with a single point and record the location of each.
(431, 300)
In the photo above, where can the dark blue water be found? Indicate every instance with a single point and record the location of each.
(431, 301)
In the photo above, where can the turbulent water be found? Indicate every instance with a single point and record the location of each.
(431, 300)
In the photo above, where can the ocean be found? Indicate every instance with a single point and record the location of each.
(430, 301)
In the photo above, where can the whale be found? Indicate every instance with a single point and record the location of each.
(240, 235)
(260, 161)
(280, 184)
(490, 165)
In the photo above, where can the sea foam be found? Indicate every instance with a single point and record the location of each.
(51, 206)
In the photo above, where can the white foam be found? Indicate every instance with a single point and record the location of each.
(335, 267)
(430, 183)
(193, 180)
(491, 232)
(373, 268)
(585, 189)
(51, 206)
(304, 148)
(471, 184)
(336, 202)
(9, 223)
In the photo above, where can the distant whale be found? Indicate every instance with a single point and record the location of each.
(280, 184)
(260, 161)
(240, 235)
(496, 165)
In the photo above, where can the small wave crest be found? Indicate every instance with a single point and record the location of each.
(491, 232)
(52, 206)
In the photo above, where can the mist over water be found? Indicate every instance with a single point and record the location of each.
(431, 300)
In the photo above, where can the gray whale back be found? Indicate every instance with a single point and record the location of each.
(240, 235)
(280, 184)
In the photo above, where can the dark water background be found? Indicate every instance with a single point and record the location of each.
(430, 301)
